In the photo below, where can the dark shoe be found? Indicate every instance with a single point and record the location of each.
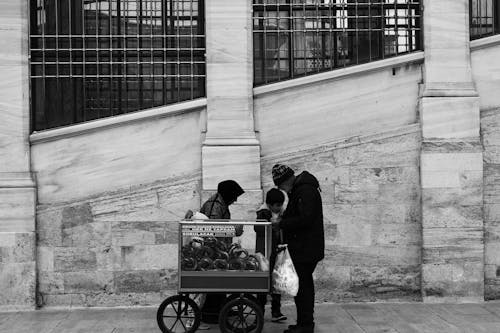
(300, 329)
(278, 316)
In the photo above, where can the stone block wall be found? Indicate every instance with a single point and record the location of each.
(114, 249)
(371, 199)
(490, 130)
(17, 259)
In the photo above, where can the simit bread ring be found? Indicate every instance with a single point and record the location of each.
(187, 251)
(204, 252)
(196, 242)
(189, 264)
(237, 264)
(222, 255)
(221, 264)
(221, 246)
(210, 242)
(253, 259)
(233, 247)
(240, 253)
(205, 264)
(251, 266)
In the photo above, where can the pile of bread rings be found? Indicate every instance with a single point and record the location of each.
(209, 253)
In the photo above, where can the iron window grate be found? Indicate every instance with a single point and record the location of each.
(98, 58)
(484, 18)
(294, 38)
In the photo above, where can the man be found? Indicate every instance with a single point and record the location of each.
(302, 226)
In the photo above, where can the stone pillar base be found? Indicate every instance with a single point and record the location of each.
(451, 171)
(17, 242)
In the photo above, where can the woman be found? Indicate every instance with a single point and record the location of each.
(217, 208)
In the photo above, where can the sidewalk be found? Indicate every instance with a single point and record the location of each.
(330, 318)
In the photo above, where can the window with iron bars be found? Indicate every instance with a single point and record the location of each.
(484, 18)
(92, 59)
(294, 38)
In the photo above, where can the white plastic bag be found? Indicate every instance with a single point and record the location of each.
(285, 279)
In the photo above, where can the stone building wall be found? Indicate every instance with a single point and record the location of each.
(108, 206)
(487, 79)
(371, 199)
(490, 129)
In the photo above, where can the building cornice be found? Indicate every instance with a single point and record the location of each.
(416, 57)
(484, 42)
(104, 123)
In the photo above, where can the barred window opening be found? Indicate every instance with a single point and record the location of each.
(98, 58)
(294, 38)
(484, 18)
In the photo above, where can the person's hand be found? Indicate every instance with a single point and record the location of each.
(238, 230)
(189, 214)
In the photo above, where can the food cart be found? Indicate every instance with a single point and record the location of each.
(212, 259)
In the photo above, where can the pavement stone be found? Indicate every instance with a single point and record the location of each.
(330, 318)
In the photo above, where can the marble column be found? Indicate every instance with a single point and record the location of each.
(451, 159)
(230, 149)
(17, 189)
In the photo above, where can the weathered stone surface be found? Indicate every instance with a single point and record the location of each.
(127, 299)
(376, 194)
(69, 300)
(452, 197)
(22, 251)
(492, 251)
(453, 245)
(87, 235)
(85, 282)
(386, 213)
(387, 175)
(144, 280)
(49, 226)
(50, 282)
(153, 257)
(452, 280)
(165, 200)
(373, 255)
(144, 233)
(446, 146)
(490, 129)
(18, 284)
(492, 212)
(73, 216)
(396, 234)
(69, 259)
(453, 217)
(45, 259)
(401, 278)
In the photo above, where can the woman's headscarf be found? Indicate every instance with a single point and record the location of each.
(229, 190)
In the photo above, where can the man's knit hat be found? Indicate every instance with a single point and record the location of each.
(281, 173)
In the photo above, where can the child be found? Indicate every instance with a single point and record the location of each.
(270, 211)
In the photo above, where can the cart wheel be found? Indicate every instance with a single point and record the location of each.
(241, 315)
(178, 314)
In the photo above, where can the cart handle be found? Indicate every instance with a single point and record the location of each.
(225, 222)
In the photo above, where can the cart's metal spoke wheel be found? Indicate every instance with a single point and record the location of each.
(178, 314)
(241, 315)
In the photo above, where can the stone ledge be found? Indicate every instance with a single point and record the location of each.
(95, 125)
(452, 146)
(16, 180)
(490, 112)
(485, 42)
(336, 74)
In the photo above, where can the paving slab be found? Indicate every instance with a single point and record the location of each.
(330, 318)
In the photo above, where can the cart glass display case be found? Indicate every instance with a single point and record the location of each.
(224, 256)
